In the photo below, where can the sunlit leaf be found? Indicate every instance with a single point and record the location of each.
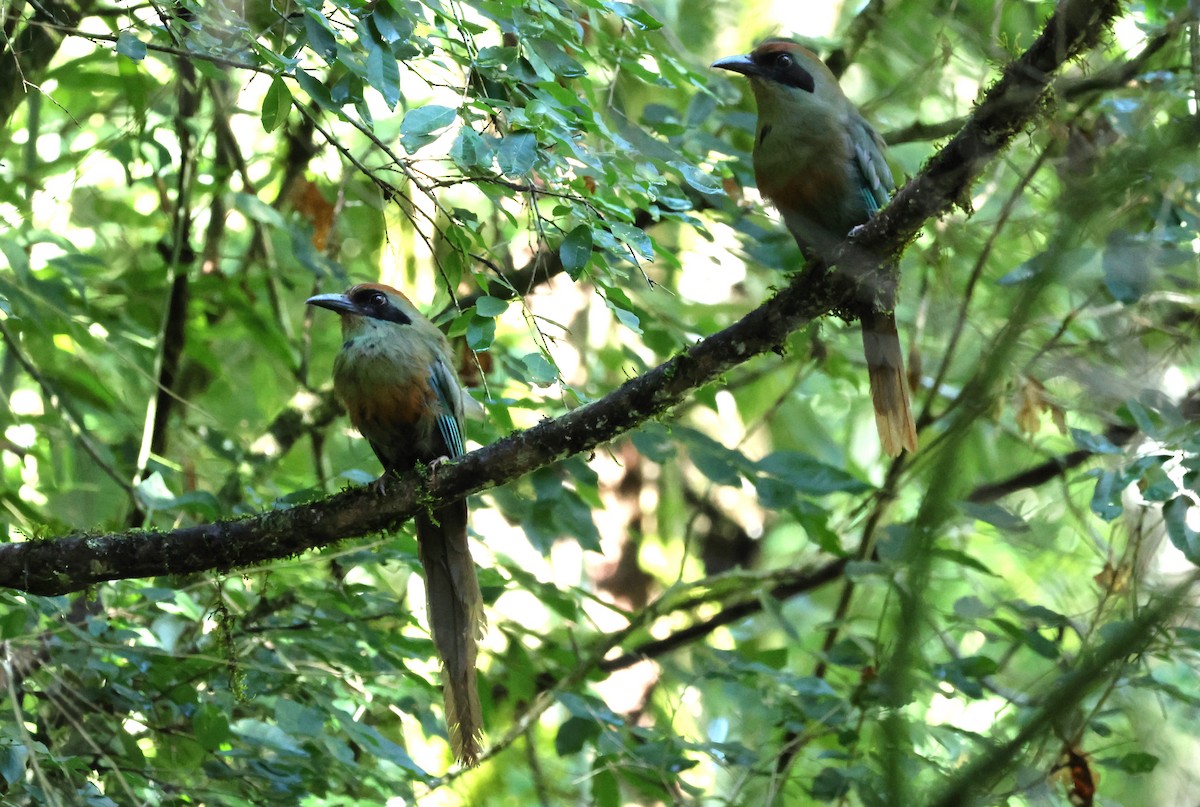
(422, 125)
(129, 46)
(490, 306)
(576, 250)
(517, 154)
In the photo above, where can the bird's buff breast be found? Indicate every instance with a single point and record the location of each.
(382, 389)
(806, 177)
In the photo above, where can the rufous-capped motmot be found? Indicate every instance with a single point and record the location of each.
(821, 164)
(395, 376)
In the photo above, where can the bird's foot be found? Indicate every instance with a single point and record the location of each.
(435, 465)
(380, 485)
(856, 231)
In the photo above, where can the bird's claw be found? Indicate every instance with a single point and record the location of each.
(856, 230)
(435, 465)
(379, 486)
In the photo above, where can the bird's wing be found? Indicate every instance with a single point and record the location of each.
(876, 178)
(449, 396)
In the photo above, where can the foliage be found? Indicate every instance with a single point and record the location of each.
(740, 603)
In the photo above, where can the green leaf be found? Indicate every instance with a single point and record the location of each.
(481, 332)
(186, 605)
(315, 90)
(12, 623)
(574, 734)
(490, 306)
(538, 369)
(1096, 443)
(277, 103)
(422, 125)
(809, 475)
(517, 154)
(606, 790)
(697, 178)
(179, 753)
(866, 569)
(1040, 614)
(256, 209)
(815, 522)
(995, 515)
(962, 559)
(716, 462)
(576, 250)
(266, 735)
(392, 26)
(633, 14)
(470, 152)
(552, 54)
(320, 36)
(496, 56)
(1129, 265)
(383, 73)
(13, 758)
(17, 257)
(964, 674)
(1040, 644)
(300, 720)
(589, 708)
(129, 46)
(971, 608)
(1189, 637)
(377, 745)
(1134, 762)
(573, 517)
(1106, 499)
(830, 784)
(153, 493)
(210, 727)
(654, 442)
(201, 503)
(774, 494)
(635, 238)
(627, 318)
(1182, 518)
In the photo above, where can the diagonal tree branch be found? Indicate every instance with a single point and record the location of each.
(71, 563)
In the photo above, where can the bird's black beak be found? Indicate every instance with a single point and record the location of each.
(334, 302)
(739, 64)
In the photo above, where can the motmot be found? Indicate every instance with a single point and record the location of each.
(821, 164)
(395, 377)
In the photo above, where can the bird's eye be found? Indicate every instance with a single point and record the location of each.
(377, 299)
(784, 60)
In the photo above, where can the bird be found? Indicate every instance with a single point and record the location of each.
(819, 162)
(394, 375)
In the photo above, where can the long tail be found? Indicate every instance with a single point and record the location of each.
(889, 385)
(456, 620)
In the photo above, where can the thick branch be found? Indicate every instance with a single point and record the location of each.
(72, 563)
(69, 564)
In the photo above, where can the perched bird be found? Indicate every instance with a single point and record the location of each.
(821, 164)
(394, 376)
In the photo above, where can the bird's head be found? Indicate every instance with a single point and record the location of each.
(367, 305)
(788, 80)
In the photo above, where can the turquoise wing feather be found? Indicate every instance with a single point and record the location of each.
(875, 178)
(449, 395)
